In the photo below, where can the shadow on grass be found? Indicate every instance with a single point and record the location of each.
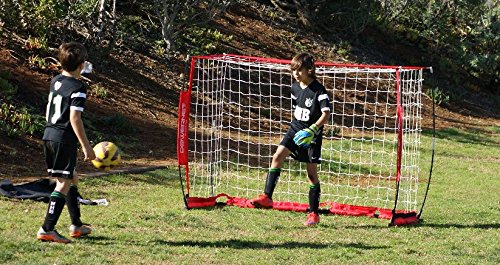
(468, 226)
(98, 240)
(423, 224)
(472, 136)
(246, 244)
(231, 243)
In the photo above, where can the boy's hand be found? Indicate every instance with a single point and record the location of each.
(89, 153)
(303, 138)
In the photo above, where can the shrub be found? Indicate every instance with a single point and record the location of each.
(37, 43)
(205, 40)
(37, 62)
(41, 15)
(438, 96)
(99, 91)
(18, 121)
(6, 87)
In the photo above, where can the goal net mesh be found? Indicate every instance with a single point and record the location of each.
(240, 108)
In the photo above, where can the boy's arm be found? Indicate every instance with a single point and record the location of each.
(303, 138)
(75, 118)
(323, 119)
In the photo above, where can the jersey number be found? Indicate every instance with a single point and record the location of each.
(302, 114)
(56, 101)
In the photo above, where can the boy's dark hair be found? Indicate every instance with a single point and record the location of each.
(304, 60)
(71, 55)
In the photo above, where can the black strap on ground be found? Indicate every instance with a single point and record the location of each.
(182, 189)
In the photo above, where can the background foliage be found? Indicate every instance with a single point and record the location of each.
(459, 38)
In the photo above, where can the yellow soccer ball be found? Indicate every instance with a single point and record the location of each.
(107, 155)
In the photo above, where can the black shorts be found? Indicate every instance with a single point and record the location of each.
(312, 154)
(60, 158)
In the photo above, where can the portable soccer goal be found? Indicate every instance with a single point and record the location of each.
(236, 109)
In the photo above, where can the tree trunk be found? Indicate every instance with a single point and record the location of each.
(167, 19)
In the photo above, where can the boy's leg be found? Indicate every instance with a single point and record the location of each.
(77, 228)
(314, 188)
(56, 204)
(265, 200)
(72, 202)
(314, 194)
(61, 161)
(272, 179)
(274, 172)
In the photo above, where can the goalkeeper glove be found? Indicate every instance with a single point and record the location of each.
(303, 138)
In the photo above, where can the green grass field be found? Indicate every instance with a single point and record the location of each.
(145, 222)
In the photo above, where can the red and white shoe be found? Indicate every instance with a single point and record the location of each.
(312, 219)
(263, 201)
(51, 236)
(79, 231)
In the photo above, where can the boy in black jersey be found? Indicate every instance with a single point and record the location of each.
(311, 110)
(64, 129)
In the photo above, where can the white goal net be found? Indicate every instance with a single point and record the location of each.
(238, 108)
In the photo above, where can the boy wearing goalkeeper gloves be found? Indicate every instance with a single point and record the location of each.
(63, 130)
(311, 110)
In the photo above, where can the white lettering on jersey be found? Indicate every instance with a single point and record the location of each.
(57, 101)
(301, 114)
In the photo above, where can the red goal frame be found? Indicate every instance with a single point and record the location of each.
(397, 217)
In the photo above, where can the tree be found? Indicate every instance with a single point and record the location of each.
(105, 29)
(176, 16)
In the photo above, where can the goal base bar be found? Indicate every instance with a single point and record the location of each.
(398, 218)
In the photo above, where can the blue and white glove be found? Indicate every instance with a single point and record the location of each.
(303, 138)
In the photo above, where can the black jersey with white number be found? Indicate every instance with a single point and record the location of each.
(66, 94)
(308, 104)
